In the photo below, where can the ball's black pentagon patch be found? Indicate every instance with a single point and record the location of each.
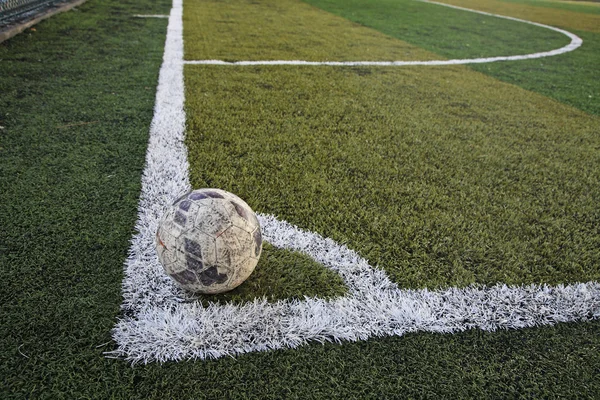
(180, 218)
(257, 242)
(192, 247)
(240, 210)
(185, 205)
(181, 198)
(193, 264)
(213, 195)
(197, 196)
(212, 276)
(184, 277)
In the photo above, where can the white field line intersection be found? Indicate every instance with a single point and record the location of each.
(576, 42)
(161, 322)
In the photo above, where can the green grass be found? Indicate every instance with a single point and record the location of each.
(583, 6)
(76, 104)
(570, 78)
(419, 170)
(233, 30)
(283, 274)
(585, 21)
(448, 32)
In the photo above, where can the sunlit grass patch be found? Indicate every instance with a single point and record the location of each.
(449, 32)
(569, 77)
(420, 170)
(234, 30)
(584, 6)
(585, 21)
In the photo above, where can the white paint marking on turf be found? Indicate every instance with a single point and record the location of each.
(162, 323)
(150, 16)
(165, 173)
(576, 41)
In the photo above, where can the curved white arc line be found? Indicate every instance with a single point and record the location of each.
(360, 277)
(576, 42)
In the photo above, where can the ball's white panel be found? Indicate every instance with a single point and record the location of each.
(179, 264)
(169, 257)
(192, 209)
(207, 243)
(254, 222)
(168, 229)
(241, 216)
(245, 239)
(228, 247)
(212, 218)
(242, 271)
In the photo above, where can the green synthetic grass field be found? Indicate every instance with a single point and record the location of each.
(283, 274)
(580, 19)
(442, 176)
(418, 169)
(569, 78)
(433, 206)
(583, 6)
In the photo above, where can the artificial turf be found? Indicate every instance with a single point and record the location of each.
(583, 6)
(420, 171)
(570, 78)
(283, 274)
(234, 30)
(585, 19)
(448, 32)
(76, 104)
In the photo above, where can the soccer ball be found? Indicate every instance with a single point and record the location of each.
(209, 241)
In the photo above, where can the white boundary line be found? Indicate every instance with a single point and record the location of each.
(161, 323)
(576, 41)
(151, 16)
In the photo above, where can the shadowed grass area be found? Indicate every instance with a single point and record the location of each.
(420, 170)
(283, 274)
(77, 96)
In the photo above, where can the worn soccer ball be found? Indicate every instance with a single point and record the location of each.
(209, 241)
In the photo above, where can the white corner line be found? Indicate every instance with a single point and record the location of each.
(576, 42)
(162, 323)
(150, 16)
